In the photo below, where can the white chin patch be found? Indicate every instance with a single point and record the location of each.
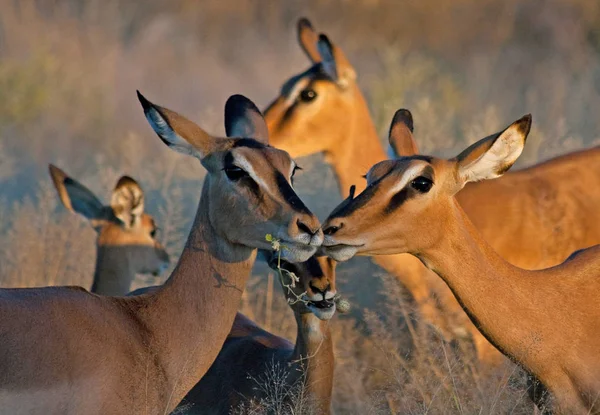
(298, 253)
(341, 253)
(322, 313)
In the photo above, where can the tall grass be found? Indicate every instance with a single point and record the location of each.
(465, 68)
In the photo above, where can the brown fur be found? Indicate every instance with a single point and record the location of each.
(66, 351)
(124, 247)
(250, 351)
(546, 211)
(545, 320)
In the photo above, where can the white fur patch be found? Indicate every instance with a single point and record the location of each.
(162, 128)
(244, 164)
(298, 87)
(410, 174)
(504, 152)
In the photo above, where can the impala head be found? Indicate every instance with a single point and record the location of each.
(315, 106)
(123, 228)
(316, 279)
(249, 183)
(407, 202)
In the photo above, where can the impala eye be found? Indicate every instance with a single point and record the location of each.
(308, 95)
(153, 233)
(234, 173)
(421, 184)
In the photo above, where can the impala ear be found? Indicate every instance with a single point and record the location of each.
(178, 132)
(494, 155)
(244, 119)
(334, 62)
(400, 136)
(308, 38)
(75, 196)
(127, 201)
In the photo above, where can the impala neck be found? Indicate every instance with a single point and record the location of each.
(503, 301)
(113, 275)
(358, 148)
(194, 310)
(314, 355)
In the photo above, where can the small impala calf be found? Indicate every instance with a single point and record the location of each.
(249, 351)
(534, 218)
(548, 320)
(126, 243)
(66, 351)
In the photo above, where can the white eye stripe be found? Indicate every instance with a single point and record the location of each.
(243, 164)
(300, 85)
(409, 175)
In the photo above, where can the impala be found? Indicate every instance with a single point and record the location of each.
(249, 351)
(534, 218)
(126, 243)
(65, 350)
(545, 320)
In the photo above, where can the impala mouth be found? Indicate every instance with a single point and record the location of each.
(294, 251)
(323, 310)
(340, 251)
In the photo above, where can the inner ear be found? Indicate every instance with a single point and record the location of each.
(244, 119)
(127, 201)
(178, 132)
(400, 135)
(327, 57)
(75, 196)
(494, 155)
(308, 38)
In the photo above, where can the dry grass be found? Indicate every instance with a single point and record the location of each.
(69, 69)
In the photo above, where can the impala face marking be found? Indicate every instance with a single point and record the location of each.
(257, 178)
(386, 217)
(317, 280)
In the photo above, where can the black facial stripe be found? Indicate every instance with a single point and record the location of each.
(248, 142)
(311, 266)
(407, 192)
(314, 73)
(347, 207)
(289, 195)
(398, 199)
(228, 160)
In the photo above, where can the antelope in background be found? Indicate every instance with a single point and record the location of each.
(250, 351)
(546, 320)
(126, 243)
(534, 218)
(65, 350)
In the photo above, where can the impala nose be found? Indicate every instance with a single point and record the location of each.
(306, 229)
(324, 292)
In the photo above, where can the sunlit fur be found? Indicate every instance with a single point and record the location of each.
(84, 353)
(545, 320)
(250, 351)
(534, 218)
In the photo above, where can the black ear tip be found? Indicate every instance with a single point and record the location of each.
(55, 172)
(324, 39)
(405, 117)
(126, 181)
(524, 124)
(304, 23)
(145, 103)
(239, 102)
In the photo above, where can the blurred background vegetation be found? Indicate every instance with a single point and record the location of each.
(465, 68)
